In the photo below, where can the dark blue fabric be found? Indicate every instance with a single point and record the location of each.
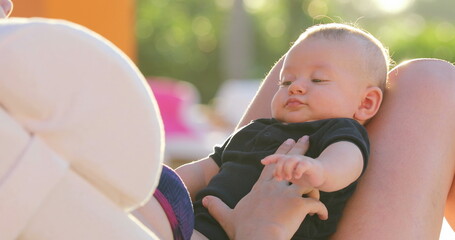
(172, 187)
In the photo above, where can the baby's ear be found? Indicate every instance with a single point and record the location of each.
(370, 104)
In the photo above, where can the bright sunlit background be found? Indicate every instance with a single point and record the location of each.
(392, 6)
(211, 42)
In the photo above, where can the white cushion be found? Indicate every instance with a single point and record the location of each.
(80, 121)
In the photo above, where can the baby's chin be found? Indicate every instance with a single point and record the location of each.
(296, 120)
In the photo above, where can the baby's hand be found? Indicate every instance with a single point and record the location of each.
(297, 169)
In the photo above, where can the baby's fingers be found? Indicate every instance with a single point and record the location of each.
(301, 146)
(271, 159)
(289, 168)
(279, 174)
(300, 169)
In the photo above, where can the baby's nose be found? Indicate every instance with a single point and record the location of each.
(297, 88)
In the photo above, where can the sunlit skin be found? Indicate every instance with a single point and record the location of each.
(324, 78)
(318, 81)
(6, 6)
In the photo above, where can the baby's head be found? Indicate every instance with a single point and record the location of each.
(331, 71)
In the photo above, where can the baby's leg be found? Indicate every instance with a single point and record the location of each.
(404, 190)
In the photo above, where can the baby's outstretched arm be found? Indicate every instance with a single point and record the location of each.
(339, 165)
(298, 169)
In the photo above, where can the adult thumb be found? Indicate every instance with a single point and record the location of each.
(316, 207)
(220, 211)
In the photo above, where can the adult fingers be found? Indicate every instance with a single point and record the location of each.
(285, 147)
(303, 189)
(316, 207)
(301, 146)
(267, 173)
(221, 212)
(314, 194)
(273, 168)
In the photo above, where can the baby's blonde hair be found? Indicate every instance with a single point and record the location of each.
(376, 57)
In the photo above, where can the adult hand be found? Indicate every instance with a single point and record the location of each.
(272, 210)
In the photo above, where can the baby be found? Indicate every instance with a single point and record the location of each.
(330, 85)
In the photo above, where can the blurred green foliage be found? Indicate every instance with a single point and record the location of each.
(183, 39)
(179, 39)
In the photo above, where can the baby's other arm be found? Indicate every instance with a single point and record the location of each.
(196, 175)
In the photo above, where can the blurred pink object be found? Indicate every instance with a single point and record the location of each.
(174, 98)
(189, 134)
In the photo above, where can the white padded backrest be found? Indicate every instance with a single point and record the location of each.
(86, 101)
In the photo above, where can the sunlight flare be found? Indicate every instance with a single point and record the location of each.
(393, 6)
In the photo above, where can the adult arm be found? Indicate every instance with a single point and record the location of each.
(260, 105)
(412, 161)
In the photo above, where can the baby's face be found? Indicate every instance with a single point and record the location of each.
(320, 79)
(5, 8)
